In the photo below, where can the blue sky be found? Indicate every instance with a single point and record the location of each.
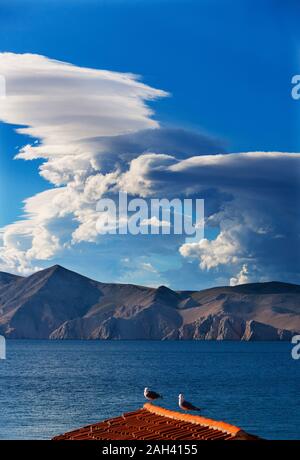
(227, 65)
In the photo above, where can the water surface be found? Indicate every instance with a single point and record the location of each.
(49, 387)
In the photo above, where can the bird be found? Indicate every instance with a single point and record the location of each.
(185, 405)
(151, 395)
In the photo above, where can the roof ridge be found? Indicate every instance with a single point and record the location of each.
(196, 419)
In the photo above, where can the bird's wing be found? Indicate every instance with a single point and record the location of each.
(187, 405)
(153, 394)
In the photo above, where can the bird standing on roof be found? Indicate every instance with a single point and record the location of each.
(151, 395)
(185, 405)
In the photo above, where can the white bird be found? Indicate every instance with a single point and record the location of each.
(185, 405)
(151, 395)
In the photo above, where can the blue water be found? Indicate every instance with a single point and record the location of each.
(49, 387)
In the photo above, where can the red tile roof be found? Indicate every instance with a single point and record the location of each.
(156, 423)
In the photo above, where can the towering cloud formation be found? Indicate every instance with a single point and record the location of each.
(256, 211)
(97, 135)
(69, 110)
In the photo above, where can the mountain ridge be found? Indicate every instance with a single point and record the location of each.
(59, 303)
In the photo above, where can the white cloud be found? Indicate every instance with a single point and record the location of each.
(223, 250)
(155, 222)
(66, 107)
(62, 103)
(241, 278)
(147, 266)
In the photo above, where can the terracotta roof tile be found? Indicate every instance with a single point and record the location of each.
(155, 423)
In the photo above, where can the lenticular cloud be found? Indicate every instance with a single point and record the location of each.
(96, 134)
(58, 102)
(67, 110)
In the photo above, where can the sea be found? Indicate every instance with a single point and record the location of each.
(50, 387)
